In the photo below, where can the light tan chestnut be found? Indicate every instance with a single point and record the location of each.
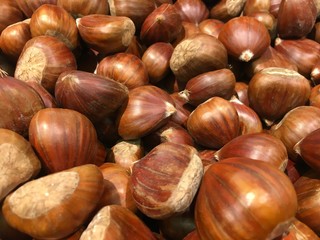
(214, 123)
(56, 205)
(245, 38)
(43, 59)
(116, 222)
(257, 146)
(55, 21)
(275, 91)
(148, 108)
(197, 54)
(106, 34)
(18, 161)
(166, 180)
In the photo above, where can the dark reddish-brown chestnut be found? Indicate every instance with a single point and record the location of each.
(93, 95)
(245, 38)
(162, 25)
(259, 200)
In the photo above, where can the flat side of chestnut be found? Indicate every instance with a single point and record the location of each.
(56, 205)
(18, 161)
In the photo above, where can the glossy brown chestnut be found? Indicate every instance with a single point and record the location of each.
(296, 125)
(106, 34)
(55, 21)
(13, 38)
(224, 10)
(125, 68)
(314, 99)
(307, 189)
(169, 175)
(93, 95)
(117, 222)
(197, 54)
(245, 38)
(148, 108)
(136, 10)
(214, 123)
(304, 53)
(296, 18)
(82, 8)
(193, 11)
(18, 104)
(56, 205)
(218, 83)
(18, 161)
(156, 59)
(257, 146)
(275, 91)
(29, 6)
(308, 148)
(163, 24)
(259, 200)
(253, 6)
(63, 138)
(43, 59)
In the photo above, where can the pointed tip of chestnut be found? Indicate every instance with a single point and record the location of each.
(246, 55)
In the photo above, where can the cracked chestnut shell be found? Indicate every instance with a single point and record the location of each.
(245, 38)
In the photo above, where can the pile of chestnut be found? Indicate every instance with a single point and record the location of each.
(160, 119)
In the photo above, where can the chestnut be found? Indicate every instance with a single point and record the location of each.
(214, 123)
(245, 38)
(82, 8)
(56, 205)
(197, 54)
(116, 222)
(43, 59)
(225, 10)
(63, 138)
(148, 108)
(11, 14)
(18, 104)
(29, 6)
(241, 198)
(106, 34)
(166, 180)
(193, 11)
(93, 95)
(55, 21)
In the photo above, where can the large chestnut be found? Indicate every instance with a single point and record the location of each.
(240, 198)
(63, 138)
(56, 205)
